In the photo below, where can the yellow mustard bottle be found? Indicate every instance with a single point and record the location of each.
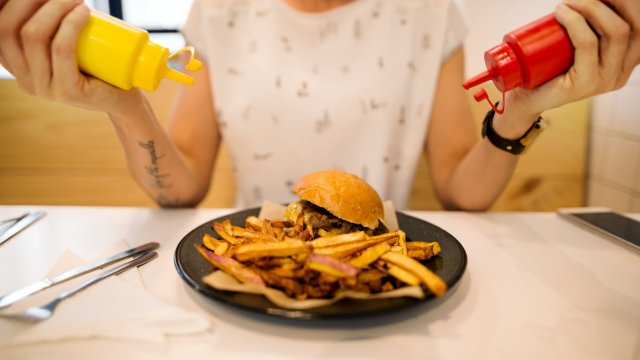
(122, 55)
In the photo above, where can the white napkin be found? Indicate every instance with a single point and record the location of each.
(115, 308)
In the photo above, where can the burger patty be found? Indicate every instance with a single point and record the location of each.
(320, 219)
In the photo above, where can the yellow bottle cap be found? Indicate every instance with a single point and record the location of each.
(193, 64)
(152, 67)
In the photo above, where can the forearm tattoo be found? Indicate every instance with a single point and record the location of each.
(160, 180)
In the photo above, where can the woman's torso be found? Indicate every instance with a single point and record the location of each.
(295, 92)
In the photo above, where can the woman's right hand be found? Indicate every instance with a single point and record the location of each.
(38, 46)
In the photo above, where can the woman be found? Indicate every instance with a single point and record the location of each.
(298, 85)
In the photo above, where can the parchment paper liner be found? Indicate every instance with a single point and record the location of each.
(222, 281)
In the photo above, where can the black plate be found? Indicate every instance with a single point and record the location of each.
(449, 265)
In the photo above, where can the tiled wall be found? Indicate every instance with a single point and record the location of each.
(613, 170)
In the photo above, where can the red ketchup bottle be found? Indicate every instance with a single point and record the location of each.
(529, 56)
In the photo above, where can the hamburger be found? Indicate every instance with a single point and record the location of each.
(331, 240)
(336, 202)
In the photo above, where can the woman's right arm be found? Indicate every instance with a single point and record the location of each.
(38, 45)
(174, 168)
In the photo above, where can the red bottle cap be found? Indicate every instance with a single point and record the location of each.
(528, 56)
(503, 68)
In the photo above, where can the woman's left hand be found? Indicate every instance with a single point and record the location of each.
(606, 52)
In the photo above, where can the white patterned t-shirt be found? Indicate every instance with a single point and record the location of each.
(350, 88)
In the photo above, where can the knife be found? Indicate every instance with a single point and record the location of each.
(20, 294)
(21, 224)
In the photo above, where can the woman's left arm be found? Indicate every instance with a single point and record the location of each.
(469, 173)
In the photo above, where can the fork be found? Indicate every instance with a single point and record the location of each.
(43, 312)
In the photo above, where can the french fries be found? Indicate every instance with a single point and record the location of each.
(338, 240)
(308, 256)
(270, 249)
(370, 255)
(231, 267)
(431, 280)
(420, 250)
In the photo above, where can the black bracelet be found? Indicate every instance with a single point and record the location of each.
(515, 147)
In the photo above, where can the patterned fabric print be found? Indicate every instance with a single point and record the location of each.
(350, 88)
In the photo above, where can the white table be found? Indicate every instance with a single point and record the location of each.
(536, 287)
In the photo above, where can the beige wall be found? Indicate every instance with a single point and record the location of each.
(549, 175)
(55, 154)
